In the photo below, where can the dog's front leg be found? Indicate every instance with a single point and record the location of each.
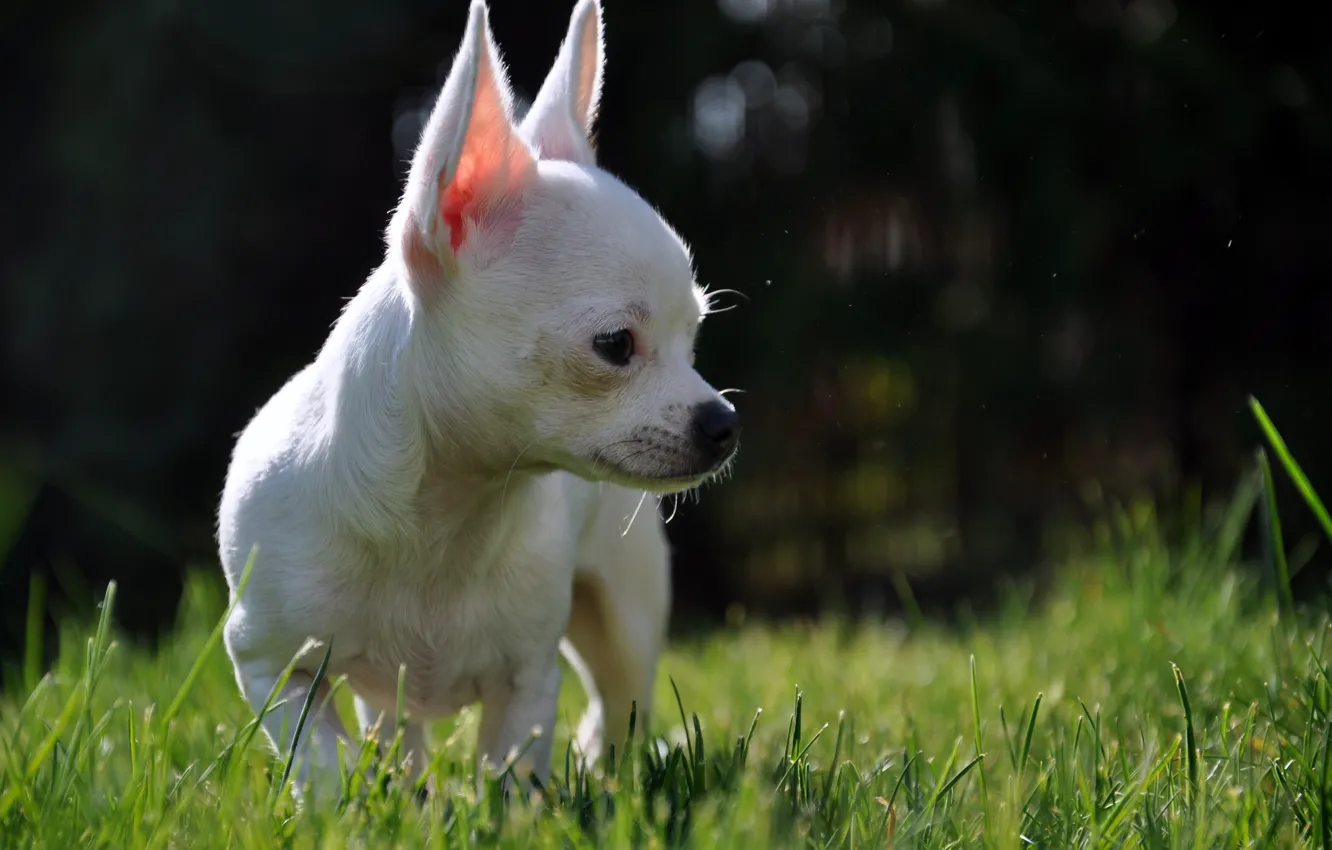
(512, 711)
(317, 749)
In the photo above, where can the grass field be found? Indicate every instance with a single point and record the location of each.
(1156, 695)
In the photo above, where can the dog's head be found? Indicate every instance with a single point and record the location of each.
(554, 310)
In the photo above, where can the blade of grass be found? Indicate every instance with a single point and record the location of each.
(684, 723)
(1190, 743)
(1324, 793)
(305, 713)
(957, 777)
(32, 660)
(1229, 531)
(1276, 545)
(979, 743)
(1031, 730)
(1292, 467)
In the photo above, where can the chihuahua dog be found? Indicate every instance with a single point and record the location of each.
(452, 486)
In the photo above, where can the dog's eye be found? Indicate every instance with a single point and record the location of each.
(616, 347)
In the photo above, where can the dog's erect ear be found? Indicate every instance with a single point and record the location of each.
(465, 187)
(559, 124)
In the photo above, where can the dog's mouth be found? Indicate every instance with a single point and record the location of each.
(657, 467)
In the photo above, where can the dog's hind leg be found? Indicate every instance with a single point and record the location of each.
(621, 603)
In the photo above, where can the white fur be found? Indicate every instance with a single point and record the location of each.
(450, 484)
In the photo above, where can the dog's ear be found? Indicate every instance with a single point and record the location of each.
(559, 124)
(466, 183)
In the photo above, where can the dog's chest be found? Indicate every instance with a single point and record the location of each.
(457, 643)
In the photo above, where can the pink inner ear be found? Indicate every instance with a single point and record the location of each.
(458, 198)
(488, 182)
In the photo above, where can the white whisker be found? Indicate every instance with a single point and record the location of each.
(634, 515)
(675, 506)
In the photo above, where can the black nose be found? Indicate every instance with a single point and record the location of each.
(716, 428)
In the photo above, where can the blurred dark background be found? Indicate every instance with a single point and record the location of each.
(1000, 262)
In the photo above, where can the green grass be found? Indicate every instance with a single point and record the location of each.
(1158, 695)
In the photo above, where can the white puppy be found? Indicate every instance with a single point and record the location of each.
(452, 484)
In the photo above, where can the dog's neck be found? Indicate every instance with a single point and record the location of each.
(392, 454)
